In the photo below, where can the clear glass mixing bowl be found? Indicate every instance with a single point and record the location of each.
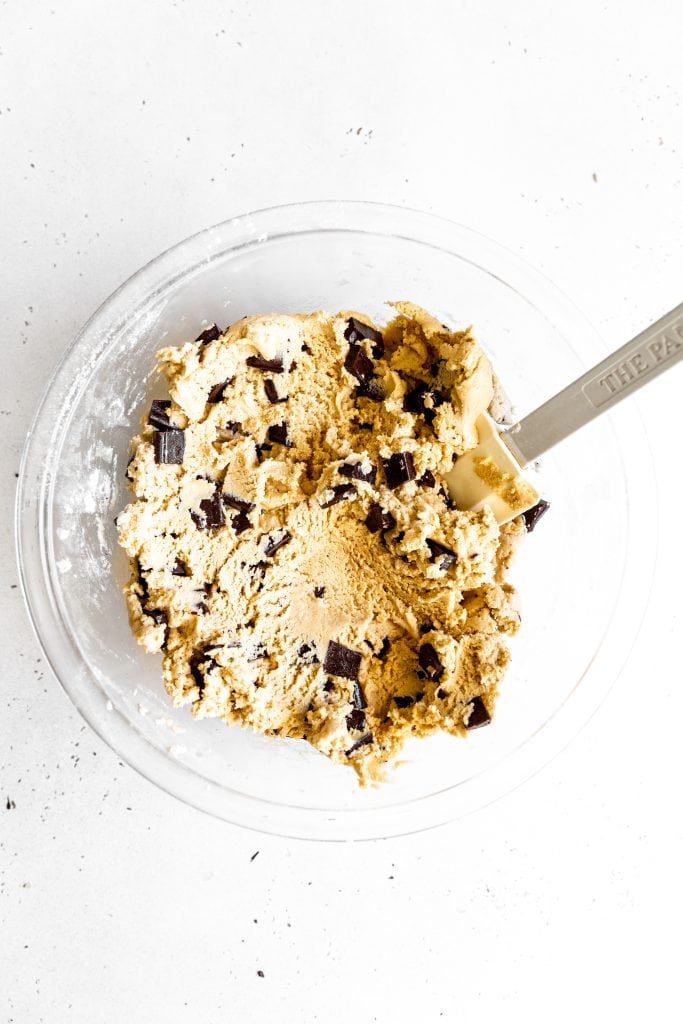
(583, 575)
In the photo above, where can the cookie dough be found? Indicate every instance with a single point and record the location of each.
(294, 555)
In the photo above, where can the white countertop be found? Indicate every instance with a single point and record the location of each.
(556, 129)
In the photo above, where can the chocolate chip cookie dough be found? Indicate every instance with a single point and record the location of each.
(294, 555)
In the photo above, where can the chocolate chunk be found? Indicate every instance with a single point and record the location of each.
(358, 698)
(241, 522)
(342, 492)
(355, 471)
(342, 661)
(318, 591)
(239, 504)
(371, 389)
(358, 364)
(362, 742)
(259, 652)
(210, 515)
(128, 465)
(384, 649)
(275, 543)
(414, 400)
(356, 720)
(447, 500)
(169, 447)
(195, 661)
(403, 702)
(441, 554)
(377, 519)
(430, 662)
(426, 627)
(427, 479)
(261, 448)
(356, 330)
(365, 426)
(328, 686)
(217, 647)
(179, 569)
(418, 697)
(271, 392)
(210, 334)
(435, 367)
(157, 615)
(479, 715)
(271, 365)
(158, 414)
(278, 434)
(216, 392)
(307, 654)
(532, 515)
(441, 693)
(398, 469)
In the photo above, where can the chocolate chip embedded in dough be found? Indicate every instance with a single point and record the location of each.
(384, 649)
(355, 471)
(359, 365)
(328, 686)
(479, 715)
(441, 554)
(241, 522)
(356, 331)
(341, 492)
(239, 504)
(179, 569)
(318, 592)
(210, 515)
(157, 615)
(271, 365)
(371, 389)
(307, 654)
(217, 391)
(413, 400)
(430, 662)
(427, 479)
(398, 469)
(342, 661)
(403, 702)
(358, 697)
(356, 720)
(441, 693)
(158, 414)
(276, 542)
(261, 448)
(212, 333)
(378, 519)
(364, 741)
(532, 515)
(271, 392)
(278, 434)
(169, 447)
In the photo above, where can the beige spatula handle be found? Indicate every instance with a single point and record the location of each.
(647, 355)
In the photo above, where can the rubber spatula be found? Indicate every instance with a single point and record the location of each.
(491, 473)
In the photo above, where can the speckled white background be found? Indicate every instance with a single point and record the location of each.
(555, 128)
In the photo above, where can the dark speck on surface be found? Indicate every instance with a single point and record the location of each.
(254, 855)
(260, 974)
(10, 805)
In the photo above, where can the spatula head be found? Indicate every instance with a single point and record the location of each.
(490, 475)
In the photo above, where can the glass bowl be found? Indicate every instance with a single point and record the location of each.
(582, 575)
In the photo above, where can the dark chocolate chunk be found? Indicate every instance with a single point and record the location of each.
(328, 686)
(128, 465)
(217, 391)
(342, 492)
(342, 661)
(217, 647)
(356, 330)
(430, 662)
(271, 392)
(447, 500)
(532, 515)
(358, 698)
(210, 515)
(261, 448)
(403, 702)
(479, 715)
(365, 426)
(239, 504)
(441, 554)
(377, 519)
(414, 400)
(355, 471)
(435, 367)
(169, 447)
(158, 414)
(418, 697)
(259, 652)
(241, 522)
(157, 615)
(356, 720)
(318, 591)
(307, 654)
(427, 479)
(210, 334)
(358, 364)
(271, 365)
(278, 434)
(441, 693)
(179, 569)
(275, 543)
(426, 627)
(371, 389)
(195, 661)
(362, 742)
(384, 649)
(398, 469)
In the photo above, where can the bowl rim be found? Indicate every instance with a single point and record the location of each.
(535, 751)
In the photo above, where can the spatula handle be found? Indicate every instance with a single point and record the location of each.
(639, 361)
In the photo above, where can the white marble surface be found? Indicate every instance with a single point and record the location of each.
(555, 128)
